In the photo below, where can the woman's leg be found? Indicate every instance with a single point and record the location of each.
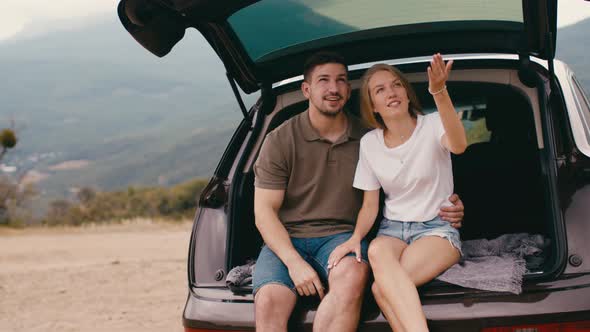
(386, 309)
(396, 292)
(428, 257)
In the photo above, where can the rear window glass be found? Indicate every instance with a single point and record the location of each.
(273, 25)
(472, 115)
(583, 106)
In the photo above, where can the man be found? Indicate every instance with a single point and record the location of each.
(305, 206)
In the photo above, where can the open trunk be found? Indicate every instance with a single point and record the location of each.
(503, 178)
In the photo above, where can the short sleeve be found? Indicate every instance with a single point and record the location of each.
(271, 168)
(364, 177)
(439, 129)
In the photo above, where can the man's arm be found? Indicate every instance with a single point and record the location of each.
(267, 203)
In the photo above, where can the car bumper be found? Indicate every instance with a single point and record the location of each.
(563, 300)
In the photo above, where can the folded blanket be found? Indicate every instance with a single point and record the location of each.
(494, 265)
(498, 264)
(241, 275)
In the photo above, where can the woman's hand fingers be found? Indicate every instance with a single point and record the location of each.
(449, 66)
(438, 72)
(336, 256)
(357, 252)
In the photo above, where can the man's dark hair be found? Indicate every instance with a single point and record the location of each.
(321, 58)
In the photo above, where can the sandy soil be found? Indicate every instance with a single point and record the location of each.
(127, 277)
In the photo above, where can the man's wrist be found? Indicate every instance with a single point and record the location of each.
(292, 260)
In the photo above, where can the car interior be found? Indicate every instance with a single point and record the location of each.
(501, 177)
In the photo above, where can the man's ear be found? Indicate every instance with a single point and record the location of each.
(349, 91)
(305, 89)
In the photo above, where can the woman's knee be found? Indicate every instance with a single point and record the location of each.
(376, 290)
(375, 251)
(382, 251)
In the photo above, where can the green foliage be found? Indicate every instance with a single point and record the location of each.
(478, 132)
(7, 138)
(15, 199)
(176, 202)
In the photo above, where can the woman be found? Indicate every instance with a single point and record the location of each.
(408, 156)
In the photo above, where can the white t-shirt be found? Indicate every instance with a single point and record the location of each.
(416, 176)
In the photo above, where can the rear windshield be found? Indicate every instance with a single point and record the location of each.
(272, 25)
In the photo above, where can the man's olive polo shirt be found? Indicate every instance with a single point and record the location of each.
(316, 175)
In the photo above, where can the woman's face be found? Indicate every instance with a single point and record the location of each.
(389, 96)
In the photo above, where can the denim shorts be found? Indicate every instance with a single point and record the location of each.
(315, 251)
(413, 230)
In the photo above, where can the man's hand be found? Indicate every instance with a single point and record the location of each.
(453, 214)
(342, 250)
(306, 280)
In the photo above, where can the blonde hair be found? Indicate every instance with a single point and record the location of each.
(373, 119)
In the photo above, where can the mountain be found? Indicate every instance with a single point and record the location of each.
(94, 95)
(93, 108)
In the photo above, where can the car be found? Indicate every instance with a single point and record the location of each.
(526, 169)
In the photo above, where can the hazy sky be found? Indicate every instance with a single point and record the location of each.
(17, 16)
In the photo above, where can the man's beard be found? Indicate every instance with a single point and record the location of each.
(330, 113)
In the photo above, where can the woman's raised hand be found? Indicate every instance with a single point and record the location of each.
(438, 73)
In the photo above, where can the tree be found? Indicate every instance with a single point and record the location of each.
(7, 140)
(14, 196)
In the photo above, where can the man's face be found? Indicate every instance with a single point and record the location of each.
(327, 89)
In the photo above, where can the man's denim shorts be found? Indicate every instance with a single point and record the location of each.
(413, 230)
(315, 251)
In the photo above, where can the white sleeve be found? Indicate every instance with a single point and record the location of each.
(364, 177)
(439, 129)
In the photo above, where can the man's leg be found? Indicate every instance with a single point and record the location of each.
(274, 304)
(340, 308)
(275, 297)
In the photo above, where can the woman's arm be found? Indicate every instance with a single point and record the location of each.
(454, 139)
(367, 214)
(364, 222)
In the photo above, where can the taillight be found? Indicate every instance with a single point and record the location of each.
(551, 327)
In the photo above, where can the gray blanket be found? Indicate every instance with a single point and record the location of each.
(494, 265)
(240, 276)
(498, 264)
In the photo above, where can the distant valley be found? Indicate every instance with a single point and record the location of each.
(93, 108)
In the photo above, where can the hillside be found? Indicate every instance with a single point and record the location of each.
(93, 108)
(95, 95)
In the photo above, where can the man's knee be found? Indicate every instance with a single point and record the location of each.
(274, 302)
(349, 278)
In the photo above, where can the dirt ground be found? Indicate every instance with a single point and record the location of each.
(124, 277)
